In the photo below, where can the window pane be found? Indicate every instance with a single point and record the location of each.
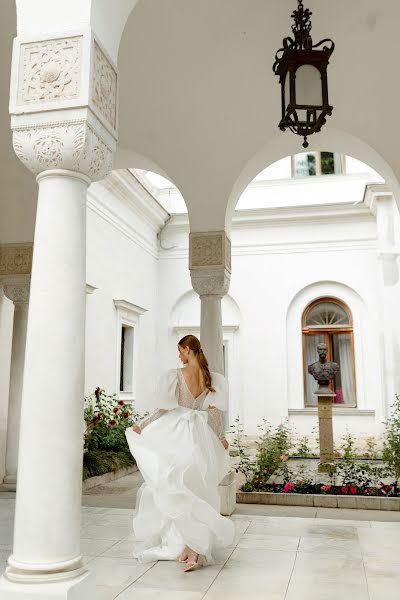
(327, 314)
(305, 164)
(342, 353)
(126, 372)
(331, 163)
(312, 342)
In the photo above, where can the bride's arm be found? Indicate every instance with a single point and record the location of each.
(216, 423)
(153, 417)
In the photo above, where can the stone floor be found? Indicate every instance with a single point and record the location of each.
(279, 553)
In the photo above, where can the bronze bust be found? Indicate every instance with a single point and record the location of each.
(323, 371)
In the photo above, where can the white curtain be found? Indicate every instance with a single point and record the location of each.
(345, 360)
(312, 342)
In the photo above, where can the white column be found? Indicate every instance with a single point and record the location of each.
(211, 331)
(47, 520)
(16, 290)
(210, 267)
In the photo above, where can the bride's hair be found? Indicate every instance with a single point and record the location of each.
(193, 343)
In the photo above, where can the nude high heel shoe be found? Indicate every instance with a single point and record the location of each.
(192, 566)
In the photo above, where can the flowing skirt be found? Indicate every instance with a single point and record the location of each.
(182, 462)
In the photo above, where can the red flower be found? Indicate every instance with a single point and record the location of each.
(116, 409)
(344, 489)
(97, 393)
(126, 414)
(112, 423)
(368, 491)
(288, 486)
(121, 402)
(353, 489)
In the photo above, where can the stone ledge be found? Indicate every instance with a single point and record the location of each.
(319, 500)
(91, 482)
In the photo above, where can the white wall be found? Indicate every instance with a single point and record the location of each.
(122, 267)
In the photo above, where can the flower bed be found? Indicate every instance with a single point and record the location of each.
(348, 489)
(105, 445)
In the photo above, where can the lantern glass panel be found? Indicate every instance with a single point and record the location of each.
(287, 89)
(308, 86)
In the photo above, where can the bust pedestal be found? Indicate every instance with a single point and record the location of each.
(325, 401)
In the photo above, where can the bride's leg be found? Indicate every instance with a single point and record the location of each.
(184, 555)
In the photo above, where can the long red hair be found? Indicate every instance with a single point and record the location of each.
(194, 344)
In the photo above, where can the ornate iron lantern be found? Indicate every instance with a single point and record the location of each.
(302, 70)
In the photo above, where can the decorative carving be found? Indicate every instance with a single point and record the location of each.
(210, 282)
(211, 249)
(104, 93)
(17, 289)
(73, 145)
(50, 71)
(16, 259)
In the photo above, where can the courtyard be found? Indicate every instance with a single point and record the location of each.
(279, 553)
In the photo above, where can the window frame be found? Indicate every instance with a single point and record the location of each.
(127, 315)
(328, 332)
(317, 165)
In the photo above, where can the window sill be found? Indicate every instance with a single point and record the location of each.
(336, 410)
(126, 396)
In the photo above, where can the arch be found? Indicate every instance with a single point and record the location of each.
(368, 362)
(334, 140)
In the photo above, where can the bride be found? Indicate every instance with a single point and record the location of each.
(182, 454)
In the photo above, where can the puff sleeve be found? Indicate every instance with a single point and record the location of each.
(165, 397)
(217, 403)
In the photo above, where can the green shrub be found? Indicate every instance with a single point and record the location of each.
(105, 445)
(245, 465)
(391, 442)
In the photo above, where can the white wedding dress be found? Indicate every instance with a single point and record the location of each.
(182, 460)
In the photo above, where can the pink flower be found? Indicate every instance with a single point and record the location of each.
(284, 457)
(288, 486)
(367, 491)
(326, 487)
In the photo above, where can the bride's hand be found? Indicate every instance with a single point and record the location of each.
(136, 429)
(225, 444)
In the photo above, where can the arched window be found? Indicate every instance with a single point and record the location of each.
(329, 320)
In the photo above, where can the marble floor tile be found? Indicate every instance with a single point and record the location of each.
(122, 549)
(138, 592)
(117, 571)
(269, 542)
(106, 532)
(108, 592)
(383, 577)
(254, 574)
(327, 577)
(166, 575)
(95, 547)
(379, 542)
(347, 548)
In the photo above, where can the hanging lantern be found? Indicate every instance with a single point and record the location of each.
(302, 70)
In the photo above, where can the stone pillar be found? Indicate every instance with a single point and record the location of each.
(63, 105)
(210, 269)
(327, 457)
(17, 290)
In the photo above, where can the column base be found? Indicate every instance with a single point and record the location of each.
(10, 479)
(80, 588)
(227, 494)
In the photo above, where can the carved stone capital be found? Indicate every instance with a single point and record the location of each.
(64, 104)
(17, 289)
(79, 145)
(211, 249)
(210, 282)
(15, 259)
